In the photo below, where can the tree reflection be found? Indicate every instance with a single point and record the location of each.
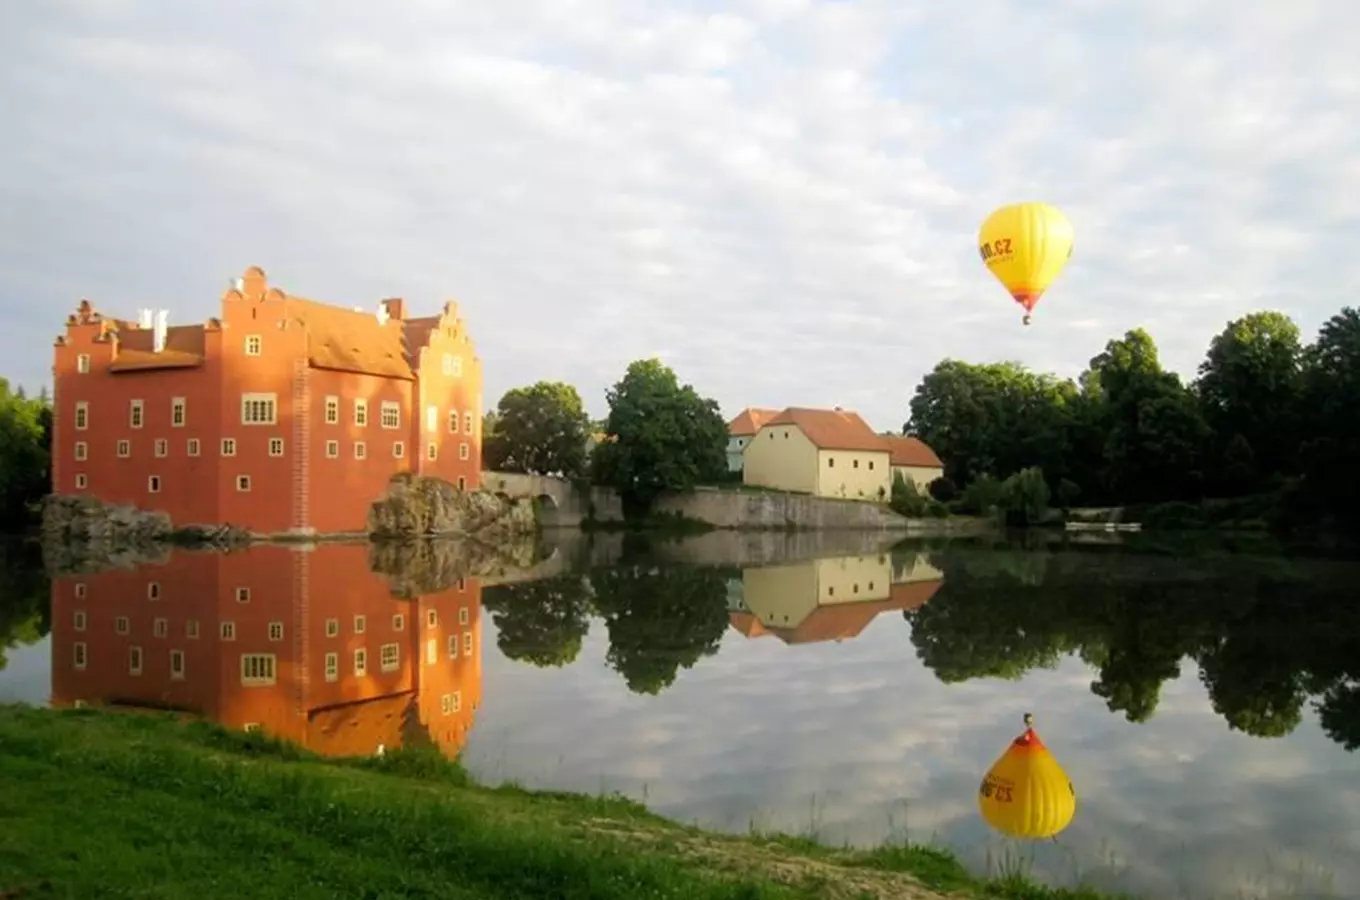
(540, 622)
(25, 592)
(1266, 634)
(660, 619)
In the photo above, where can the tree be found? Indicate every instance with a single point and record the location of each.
(540, 622)
(1251, 387)
(663, 436)
(540, 429)
(25, 598)
(1332, 422)
(25, 456)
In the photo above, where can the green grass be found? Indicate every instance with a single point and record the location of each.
(150, 805)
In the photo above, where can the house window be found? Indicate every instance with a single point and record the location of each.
(124, 449)
(390, 415)
(389, 657)
(177, 412)
(398, 622)
(360, 450)
(160, 627)
(332, 666)
(332, 449)
(228, 446)
(82, 415)
(79, 655)
(162, 448)
(177, 665)
(276, 631)
(467, 422)
(254, 344)
(831, 462)
(82, 482)
(453, 421)
(191, 629)
(467, 643)
(398, 450)
(276, 446)
(78, 620)
(431, 418)
(453, 646)
(243, 484)
(431, 618)
(462, 483)
(431, 652)
(243, 595)
(446, 704)
(457, 698)
(464, 451)
(191, 446)
(360, 624)
(332, 410)
(448, 363)
(80, 590)
(871, 465)
(120, 625)
(82, 451)
(432, 450)
(134, 660)
(258, 669)
(83, 364)
(135, 410)
(259, 409)
(332, 628)
(153, 590)
(854, 464)
(361, 412)
(361, 662)
(463, 616)
(227, 631)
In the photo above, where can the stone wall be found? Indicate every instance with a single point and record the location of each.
(737, 509)
(418, 506)
(79, 530)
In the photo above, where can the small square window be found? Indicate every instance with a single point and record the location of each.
(254, 344)
(464, 615)
(124, 449)
(243, 595)
(464, 451)
(153, 484)
(276, 631)
(121, 625)
(360, 624)
(192, 446)
(332, 666)
(276, 446)
(432, 450)
(80, 590)
(332, 410)
(398, 622)
(160, 627)
(332, 449)
(82, 482)
(228, 446)
(390, 414)
(243, 484)
(83, 363)
(360, 450)
(78, 620)
(162, 448)
(153, 590)
(398, 450)
(389, 657)
(82, 451)
(431, 618)
(227, 631)
(332, 628)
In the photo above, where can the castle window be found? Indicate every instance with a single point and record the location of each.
(191, 446)
(258, 669)
(153, 484)
(79, 655)
(82, 415)
(390, 416)
(332, 449)
(135, 413)
(134, 660)
(448, 364)
(463, 450)
(124, 449)
(360, 450)
(276, 446)
(243, 484)
(254, 344)
(276, 631)
(82, 451)
(178, 412)
(431, 418)
(431, 451)
(82, 482)
(398, 450)
(453, 421)
(332, 410)
(468, 423)
(332, 666)
(228, 446)
(177, 665)
(162, 448)
(259, 409)
(361, 412)
(83, 363)
(361, 662)
(390, 657)
(78, 620)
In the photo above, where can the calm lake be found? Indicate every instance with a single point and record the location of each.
(1205, 706)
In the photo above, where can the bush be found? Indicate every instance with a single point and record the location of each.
(906, 499)
(981, 496)
(1025, 497)
(944, 489)
(937, 509)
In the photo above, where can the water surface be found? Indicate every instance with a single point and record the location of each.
(1206, 709)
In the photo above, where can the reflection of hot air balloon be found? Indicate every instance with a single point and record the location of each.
(1026, 793)
(1026, 245)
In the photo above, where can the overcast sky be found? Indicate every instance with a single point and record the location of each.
(779, 198)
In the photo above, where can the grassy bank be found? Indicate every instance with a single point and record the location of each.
(108, 804)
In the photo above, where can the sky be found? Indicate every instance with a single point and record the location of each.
(778, 198)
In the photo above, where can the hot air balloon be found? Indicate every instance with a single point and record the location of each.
(1026, 793)
(1026, 245)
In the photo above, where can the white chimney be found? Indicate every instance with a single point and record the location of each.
(161, 325)
(382, 313)
(144, 318)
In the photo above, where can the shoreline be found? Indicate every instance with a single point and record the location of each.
(242, 814)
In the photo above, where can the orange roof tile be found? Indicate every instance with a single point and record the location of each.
(351, 341)
(747, 624)
(183, 348)
(842, 621)
(749, 420)
(910, 451)
(832, 429)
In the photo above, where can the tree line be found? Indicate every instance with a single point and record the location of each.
(25, 455)
(1002, 612)
(1266, 415)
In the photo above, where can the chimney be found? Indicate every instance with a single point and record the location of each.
(145, 318)
(161, 325)
(382, 314)
(396, 308)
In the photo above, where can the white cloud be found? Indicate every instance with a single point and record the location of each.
(781, 196)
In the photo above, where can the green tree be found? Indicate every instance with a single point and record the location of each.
(1251, 387)
(25, 597)
(1332, 420)
(664, 436)
(25, 456)
(1025, 496)
(906, 500)
(660, 619)
(540, 622)
(540, 429)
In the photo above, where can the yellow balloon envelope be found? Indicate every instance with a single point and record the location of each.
(1026, 245)
(1026, 794)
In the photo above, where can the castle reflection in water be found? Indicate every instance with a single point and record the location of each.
(311, 646)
